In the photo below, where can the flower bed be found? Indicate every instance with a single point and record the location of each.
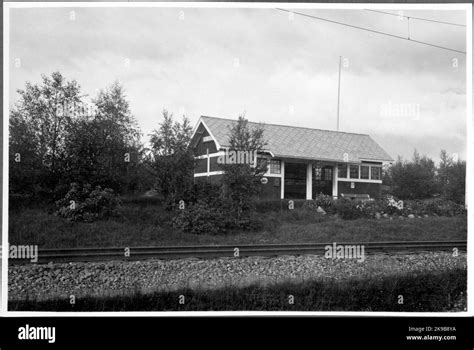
(388, 207)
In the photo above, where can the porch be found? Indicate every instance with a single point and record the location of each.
(303, 180)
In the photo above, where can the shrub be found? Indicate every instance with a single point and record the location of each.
(392, 205)
(310, 205)
(444, 207)
(415, 207)
(200, 218)
(369, 209)
(60, 191)
(434, 206)
(266, 206)
(348, 209)
(142, 201)
(206, 192)
(322, 200)
(215, 218)
(84, 204)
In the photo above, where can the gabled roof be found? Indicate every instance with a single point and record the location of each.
(305, 143)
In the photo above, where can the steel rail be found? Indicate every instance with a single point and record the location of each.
(238, 250)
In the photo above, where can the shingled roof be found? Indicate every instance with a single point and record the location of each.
(305, 143)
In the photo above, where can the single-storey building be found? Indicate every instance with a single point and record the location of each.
(302, 162)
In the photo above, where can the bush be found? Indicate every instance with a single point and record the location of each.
(273, 205)
(59, 192)
(84, 204)
(369, 209)
(322, 200)
(417, 207)
(444, 207)
(392, 205)
(206, 192)
(214, 218)
(348, 209)
(200, 218)
(414, 179)
(142, 201)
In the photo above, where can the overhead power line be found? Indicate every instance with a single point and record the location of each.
(417, 18)
(372, 31)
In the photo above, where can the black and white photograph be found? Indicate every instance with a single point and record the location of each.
(262, 157)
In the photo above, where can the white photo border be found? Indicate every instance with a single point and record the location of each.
(217, 5)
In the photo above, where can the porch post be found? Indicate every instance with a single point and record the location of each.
(334, 181)
(208, 163)
(282, 181)
(309, 181)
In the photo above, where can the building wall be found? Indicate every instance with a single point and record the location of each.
(213, 179)
(214, 165)
(372, 189)
(200, 165)
(272, 189)
(201, 147)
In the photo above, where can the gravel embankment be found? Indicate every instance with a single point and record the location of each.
(117, 277)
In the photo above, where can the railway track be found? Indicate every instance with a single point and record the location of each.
(243, 250)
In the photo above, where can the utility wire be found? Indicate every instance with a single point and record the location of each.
(371, 30)
(418, 18)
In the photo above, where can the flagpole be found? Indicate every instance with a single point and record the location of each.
(339, 92)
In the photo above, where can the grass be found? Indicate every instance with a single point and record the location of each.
(147, 223)
(428, 292)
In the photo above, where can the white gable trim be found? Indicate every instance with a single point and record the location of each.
(384, 161)
(201, 121)
(210, 173)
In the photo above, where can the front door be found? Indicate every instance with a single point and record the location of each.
(295, 180)
(322, 180)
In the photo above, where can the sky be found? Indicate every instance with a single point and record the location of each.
(264, 63)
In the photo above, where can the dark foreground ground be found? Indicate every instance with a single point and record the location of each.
(433, 281)
(431, 292)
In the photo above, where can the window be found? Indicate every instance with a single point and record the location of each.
(317, 172)
(375, 173)
(354, 171)
(261, 161)
(342, 171)
(328, 174)
(275, 167)
(364, 172)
